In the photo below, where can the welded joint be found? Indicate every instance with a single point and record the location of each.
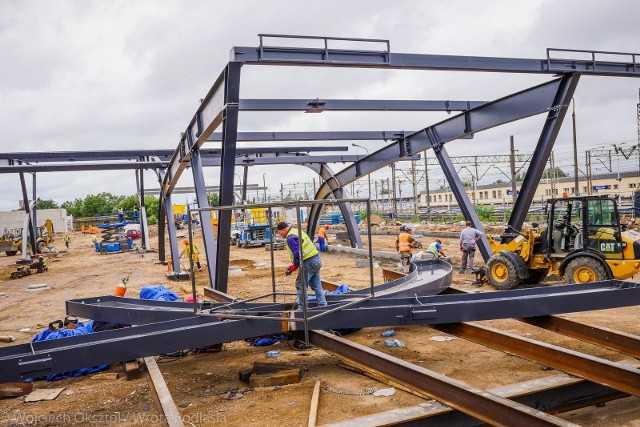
(199, 124)
(434, 139)
(183, 149)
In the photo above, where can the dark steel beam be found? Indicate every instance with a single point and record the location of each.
(73, 167)
(228, 155)
(543, 149)
(292, 56)
(147, 155)
(319, 105)
(478, 403)
(624, 343)
(532, 101)
(560, 393)
(384, 135)
(615, 375)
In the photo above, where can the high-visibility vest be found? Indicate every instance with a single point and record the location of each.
(403, 242)
(308, 248)
(322, 233)
(187, 250)
(44, 261)
(433, 248)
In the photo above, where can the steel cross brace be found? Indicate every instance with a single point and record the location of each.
(529, 102)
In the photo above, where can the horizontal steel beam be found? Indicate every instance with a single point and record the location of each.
(320, 57)
(71, 167)
(622, 342)
(319, 105)
(206, 161)
(383, 135)
(162, 154)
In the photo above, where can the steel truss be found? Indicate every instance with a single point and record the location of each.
(162, 327)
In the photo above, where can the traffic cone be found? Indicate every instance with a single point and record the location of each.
(121, 289)
(169, 266)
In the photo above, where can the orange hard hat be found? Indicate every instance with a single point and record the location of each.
(185, 241)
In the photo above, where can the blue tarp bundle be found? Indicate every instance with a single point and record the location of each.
(158, 293)
(81, 329)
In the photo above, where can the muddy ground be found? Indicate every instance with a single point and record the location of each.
(206, 386)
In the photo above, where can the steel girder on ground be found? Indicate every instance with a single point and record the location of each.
(170, 326)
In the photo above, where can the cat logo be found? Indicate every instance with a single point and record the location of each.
(607, 247)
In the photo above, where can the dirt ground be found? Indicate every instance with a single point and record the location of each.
(206, 386)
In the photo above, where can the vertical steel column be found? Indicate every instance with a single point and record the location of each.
(166, 213)
(173, 234)
(542, 152)
(203, 202)
(458, 190)
(227, 164)
(140, 192)
(34, 212)
(27, 210)
(245, 177)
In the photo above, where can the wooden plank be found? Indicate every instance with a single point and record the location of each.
(364, 370)
(315, 399)
(106, 376)
(172, 416)
(329, 286)
(281, 378)
(43, 394)
(14, 389)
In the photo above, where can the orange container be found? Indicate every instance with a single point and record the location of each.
(121, 289)
(169, 266)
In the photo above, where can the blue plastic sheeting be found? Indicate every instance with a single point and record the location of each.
(158, 293)
(334, 219)
(81, 329)
(263, 341)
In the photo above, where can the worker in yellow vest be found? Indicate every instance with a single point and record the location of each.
(187, 251)
(310, 260)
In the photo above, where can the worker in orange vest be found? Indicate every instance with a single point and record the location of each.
(322, 238)
(404, 244)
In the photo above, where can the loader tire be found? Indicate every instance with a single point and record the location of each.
(502, 273)
(585, 270)
(103, 251)
(11, 253)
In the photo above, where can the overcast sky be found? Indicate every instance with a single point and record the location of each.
(99, 75)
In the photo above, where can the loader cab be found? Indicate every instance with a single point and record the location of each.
(584, 223)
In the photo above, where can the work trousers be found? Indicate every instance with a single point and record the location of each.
(322, 244)
(468, 254)
(311, 278)
(405, 259)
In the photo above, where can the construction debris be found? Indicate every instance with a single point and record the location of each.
(271, 374)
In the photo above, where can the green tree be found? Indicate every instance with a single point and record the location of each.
(73, 208)
(46, 204)
(214, 199)
(559, 173)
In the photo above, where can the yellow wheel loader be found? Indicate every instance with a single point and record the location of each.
(582, 241)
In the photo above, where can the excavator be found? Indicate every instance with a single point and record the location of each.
(583, 241)
(11, 242)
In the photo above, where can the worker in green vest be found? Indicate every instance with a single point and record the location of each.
(310, 261)
(434, 251)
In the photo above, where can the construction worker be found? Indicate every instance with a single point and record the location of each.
(94, 239)
(39, 263)
(434, 251)
(468, 238)
(310, 259)
(187, 250)
(404, 244)
(67, 240)
(322, 238)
